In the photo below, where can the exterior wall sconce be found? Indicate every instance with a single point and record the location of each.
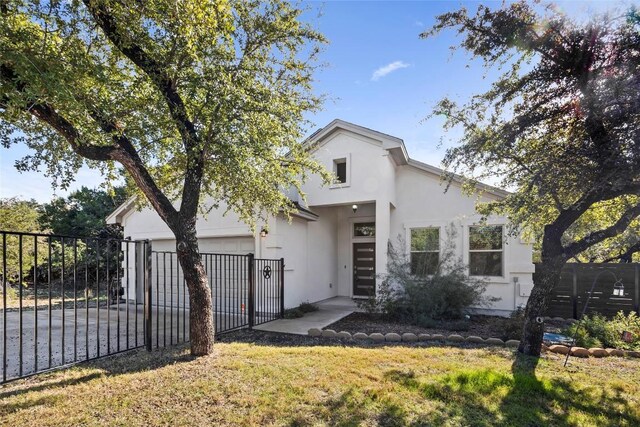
(354, 208)
(264, 232)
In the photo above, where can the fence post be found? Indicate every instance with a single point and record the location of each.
(575, 293)
(147, 295)
(252, 290)
(281, 287)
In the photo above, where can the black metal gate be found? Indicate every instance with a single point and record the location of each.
(68, 299)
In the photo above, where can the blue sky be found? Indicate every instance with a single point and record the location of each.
(380, 74)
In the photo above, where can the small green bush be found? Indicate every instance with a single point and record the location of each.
(598, 331)
(12, 294)
(299, 311)
(513, 326)
(421, 299)
(307, 307)
(293, 313)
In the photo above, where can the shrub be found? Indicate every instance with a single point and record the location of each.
(513, 326)
(598, 331)
(420, 299)
(293, 313)
(307, 307)
(299, 311)
(12, 294)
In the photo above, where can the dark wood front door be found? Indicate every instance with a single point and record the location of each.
(364, 269)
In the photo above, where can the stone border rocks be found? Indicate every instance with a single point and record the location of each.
(393, 337)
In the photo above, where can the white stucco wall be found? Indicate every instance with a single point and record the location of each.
(422, 202)
(309, 250)
(147, 224)
(369, 171)
(318, 254)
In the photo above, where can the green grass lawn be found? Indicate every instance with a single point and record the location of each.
(250, 384)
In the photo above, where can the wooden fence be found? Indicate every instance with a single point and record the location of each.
(617, 287)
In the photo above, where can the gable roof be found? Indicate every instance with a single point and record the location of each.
(396, 148)
(394, 145)
(116, 216)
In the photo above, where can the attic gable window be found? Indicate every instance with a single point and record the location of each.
(340, 170)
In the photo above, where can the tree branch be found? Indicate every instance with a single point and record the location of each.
(626, 255)
(49, 115)
(167, 87)
(152, 68)
(600, 235)
(128, 156)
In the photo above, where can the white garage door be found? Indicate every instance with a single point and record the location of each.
(226, 273)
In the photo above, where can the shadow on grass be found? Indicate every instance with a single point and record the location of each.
(521, 399)
(357, 407)
(130, 362)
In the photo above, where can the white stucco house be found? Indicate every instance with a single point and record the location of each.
(336, 244)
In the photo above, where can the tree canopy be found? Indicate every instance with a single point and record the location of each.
(82, 213)
(218, 89)
(560, 126)
(193, 98)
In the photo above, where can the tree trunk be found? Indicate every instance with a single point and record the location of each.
(546, 278)
(201, 327)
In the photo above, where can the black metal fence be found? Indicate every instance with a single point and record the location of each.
(269, 290)
(68, 299)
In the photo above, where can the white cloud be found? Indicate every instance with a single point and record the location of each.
(389, 68)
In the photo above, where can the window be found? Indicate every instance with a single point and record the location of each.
(340, 170)
(425, 250)
(485, 250)
(364, 229)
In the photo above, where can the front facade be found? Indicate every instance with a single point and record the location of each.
(336, 245)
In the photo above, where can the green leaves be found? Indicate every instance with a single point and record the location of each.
(560, 126)
(216, 91)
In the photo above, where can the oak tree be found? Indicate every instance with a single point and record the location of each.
(194, 99)
(560, 127)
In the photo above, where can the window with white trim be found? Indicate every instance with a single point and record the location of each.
(425, 250)
(486, 250)
(340, 170)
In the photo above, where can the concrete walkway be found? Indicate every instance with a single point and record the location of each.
(329, 311)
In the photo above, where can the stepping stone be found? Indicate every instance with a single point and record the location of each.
(598, 352)
(437, 337)
(315, 332)
(614, 352)
(343, 335)
(494, 341)
(409, 337)
(512, 343)
(360, 336)
(329, 333)
(632, 353)
(560, 349)
(392, 337)
(475, 339)
(424, 337)
(455, 338)
(377, 337)
(579, 352)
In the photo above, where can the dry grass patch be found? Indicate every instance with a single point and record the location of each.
(247, 384)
